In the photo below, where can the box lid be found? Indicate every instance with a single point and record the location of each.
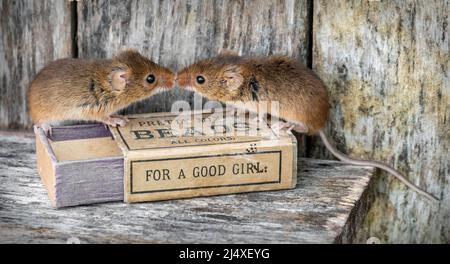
(194, 129)
(170, 155)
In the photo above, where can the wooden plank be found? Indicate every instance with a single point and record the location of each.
(33, 33)
(320, 210)
(177, 33)
(386, 64)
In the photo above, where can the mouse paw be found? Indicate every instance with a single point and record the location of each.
(116, 121)
(288, 126)
(46, 128)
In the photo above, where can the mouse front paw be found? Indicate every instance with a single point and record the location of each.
(288, 126)
(116, 120)
(47, 128)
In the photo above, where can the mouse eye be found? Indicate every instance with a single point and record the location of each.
(200, 79)
(151, 78)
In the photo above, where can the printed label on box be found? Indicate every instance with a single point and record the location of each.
(172, 130)
(168, 156)
(209, 171)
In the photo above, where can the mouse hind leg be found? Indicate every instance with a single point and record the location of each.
(299, 127)
(288, 126)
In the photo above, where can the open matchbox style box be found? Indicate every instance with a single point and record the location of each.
(164, 156)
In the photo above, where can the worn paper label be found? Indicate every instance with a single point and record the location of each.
(172, 131)
(205, 171)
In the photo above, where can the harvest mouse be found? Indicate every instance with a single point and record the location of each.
(302, 96)
(81, 89)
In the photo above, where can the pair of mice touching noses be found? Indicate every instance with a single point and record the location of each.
(76, 89)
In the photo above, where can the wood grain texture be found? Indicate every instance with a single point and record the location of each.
(177, 33)
(32, 33)
(319, 210)
(386, 64)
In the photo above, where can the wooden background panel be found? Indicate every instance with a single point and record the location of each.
(177, 33)
(33, 33)
(386, 64)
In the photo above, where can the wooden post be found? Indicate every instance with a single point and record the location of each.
(386, 65)
(33, 33)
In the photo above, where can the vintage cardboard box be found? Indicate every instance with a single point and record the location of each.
(164, 156)
(80, 165)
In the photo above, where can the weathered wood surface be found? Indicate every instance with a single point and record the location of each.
(386, 64)
(320, 210)
(176, 33)
(32, 33)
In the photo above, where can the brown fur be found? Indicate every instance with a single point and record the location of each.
(79, 89)
(302, 96)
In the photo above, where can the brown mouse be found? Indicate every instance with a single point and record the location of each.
(82, 89)
(302, 96)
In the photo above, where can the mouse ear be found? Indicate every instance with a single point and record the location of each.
(232, 78)
(119, 79)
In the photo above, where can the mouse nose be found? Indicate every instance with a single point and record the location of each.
(183, 80)
(168, 81)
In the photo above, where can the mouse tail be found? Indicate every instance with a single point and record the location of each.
(341, 156)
